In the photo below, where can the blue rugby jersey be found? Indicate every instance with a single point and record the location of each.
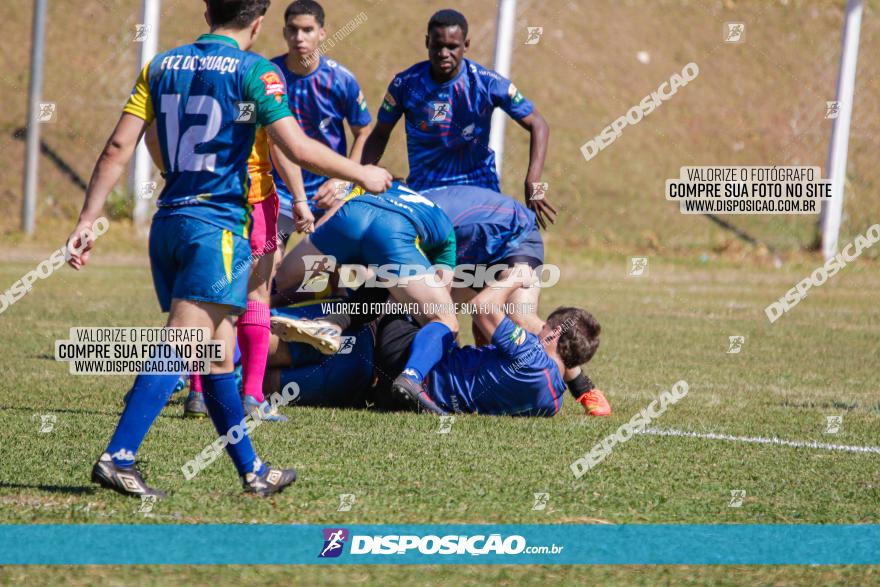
(321, 101)
(447, 125)
(488, 225)
(198, 95)
(513, 376)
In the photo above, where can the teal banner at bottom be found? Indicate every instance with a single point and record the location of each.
(637, 544)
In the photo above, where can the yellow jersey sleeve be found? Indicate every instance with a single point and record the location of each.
(260, 169)
(139, 103)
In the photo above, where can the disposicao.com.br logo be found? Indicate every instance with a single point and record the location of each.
(412, 544)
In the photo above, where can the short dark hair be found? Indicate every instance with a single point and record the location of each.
(237, 14)
(448, 18)
(299, 7)
(579, 335)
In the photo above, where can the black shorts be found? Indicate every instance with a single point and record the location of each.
(394, 337)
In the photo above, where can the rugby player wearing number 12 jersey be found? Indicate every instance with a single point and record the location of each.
(201, 230)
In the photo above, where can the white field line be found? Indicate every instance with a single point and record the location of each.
(761, 440)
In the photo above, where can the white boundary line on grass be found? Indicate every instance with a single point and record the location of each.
(760, 440)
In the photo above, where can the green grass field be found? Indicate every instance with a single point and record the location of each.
(672, 324)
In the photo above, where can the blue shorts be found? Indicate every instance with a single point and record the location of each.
(363, 234)
(529, 249)
(193, 260)
(479, 246)
(340, 380)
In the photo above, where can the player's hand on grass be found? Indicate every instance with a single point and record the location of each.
(375, 179)
(303, 219)
(79, 243)
(330, 191)
(536, 200)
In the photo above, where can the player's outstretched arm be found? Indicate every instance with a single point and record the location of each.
(539, 131)
(359, 134)
(490, 302)
(322, 160)
(109, 168)
(375, 145)
(291, 173)
(329, 192)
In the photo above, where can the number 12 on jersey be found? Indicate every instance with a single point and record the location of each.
(182, 154)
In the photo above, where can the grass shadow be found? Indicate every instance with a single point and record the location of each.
(70, 489)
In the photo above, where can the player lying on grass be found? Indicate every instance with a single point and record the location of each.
(520, 374)
(200, 232)
(491, 230)
(400, 230)
(448, 102)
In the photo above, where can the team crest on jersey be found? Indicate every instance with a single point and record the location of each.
(362, 102)
(388, 103)
(518, 336)
(440, 112)
(274, 86)
(514, 94)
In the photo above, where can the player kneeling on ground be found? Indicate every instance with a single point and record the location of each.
(519, 374)
(495, 236)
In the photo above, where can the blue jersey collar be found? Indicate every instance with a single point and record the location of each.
(281, 61)
(465, 64)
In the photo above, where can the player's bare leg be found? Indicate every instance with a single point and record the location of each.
(524, 302)
(292, 269)
(324, 336)
(272, 381)
(181, 311)
(463, 295)
(279, 354)
(279, 358)
(434, 301)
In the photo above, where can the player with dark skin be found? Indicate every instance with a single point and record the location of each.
(446, 48)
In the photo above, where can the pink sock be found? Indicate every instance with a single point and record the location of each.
(253, 340)
(195, 382)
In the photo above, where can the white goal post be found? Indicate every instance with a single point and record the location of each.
(503, 56)
(832, 211)
(142, 165)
